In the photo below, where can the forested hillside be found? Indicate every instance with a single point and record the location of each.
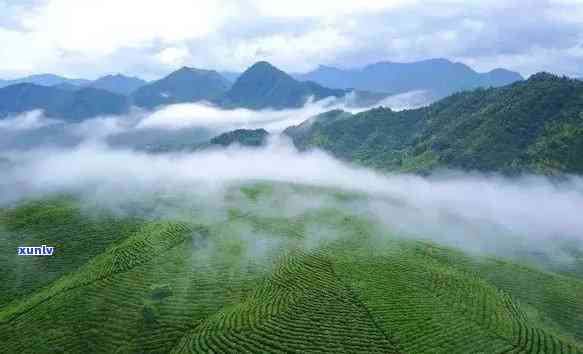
(530, 126)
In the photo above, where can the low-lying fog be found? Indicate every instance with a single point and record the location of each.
(478, 213)
(178, 124)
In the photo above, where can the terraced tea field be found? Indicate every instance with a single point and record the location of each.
(261, 276)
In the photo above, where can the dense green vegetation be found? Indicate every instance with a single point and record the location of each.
(245, 137)
(261, 277)
(530, 126)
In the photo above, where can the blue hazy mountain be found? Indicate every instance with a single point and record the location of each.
(67, 86)
(120, 84)
(264, 86)
(45, 80)
(58, 103)
(441, 77)
(183, 85)
(230, 75)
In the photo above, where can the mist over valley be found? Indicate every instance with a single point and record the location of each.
(258, 177)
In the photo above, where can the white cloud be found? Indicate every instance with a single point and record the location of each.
(27, 121)
(173, 56)
(526, 213)
(326, 8)
(407, 100)
(89, 38)
(101, 27)
(188, 115)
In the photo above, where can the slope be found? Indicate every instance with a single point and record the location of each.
(258, 280)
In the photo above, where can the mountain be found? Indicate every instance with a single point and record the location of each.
(183, 85)
(45, 80)
(264, 86)
(90, 102)
(230, 75)
(530, 126)
(63, 104)
(439, 76)
(120, 84)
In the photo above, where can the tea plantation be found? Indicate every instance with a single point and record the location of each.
(256, 278)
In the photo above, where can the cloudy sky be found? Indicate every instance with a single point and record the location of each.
(90, 38)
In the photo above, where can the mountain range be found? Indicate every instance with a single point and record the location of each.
(440, 77)
(529, 125)
(261, 86)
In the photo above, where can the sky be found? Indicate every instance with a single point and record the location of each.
(90, 38)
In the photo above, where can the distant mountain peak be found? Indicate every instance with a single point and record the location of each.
(186, 69)
(118, 83)
(263, 64)
(263, 67)
(263, 85)
(183, 85)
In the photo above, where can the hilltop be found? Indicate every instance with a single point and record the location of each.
(265, 86)
(184, 85)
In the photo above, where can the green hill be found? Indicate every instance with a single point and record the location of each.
(534, 125)
(254, 278)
